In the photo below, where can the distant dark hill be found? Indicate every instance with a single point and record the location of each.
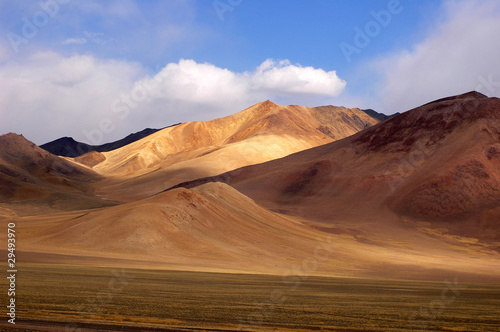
(68, 147)
(33, 180)
(379, 116)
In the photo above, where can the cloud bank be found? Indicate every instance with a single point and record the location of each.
(48, 95)
(460, 53)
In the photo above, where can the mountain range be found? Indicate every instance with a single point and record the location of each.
(412, 196)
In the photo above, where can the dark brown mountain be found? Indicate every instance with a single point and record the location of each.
(379, 116)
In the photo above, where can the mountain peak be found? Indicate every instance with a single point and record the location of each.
(467, 95)
(263, 105)
(11, 136)
(267, 103)
(473, 94)
(66, 139)
(433, 121)
(12, 142)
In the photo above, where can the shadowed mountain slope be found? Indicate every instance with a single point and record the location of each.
(379, 116)
(31, 175)
(192, 150)
(438, 163)
(413, 197)
(216, 228)
(68, 147)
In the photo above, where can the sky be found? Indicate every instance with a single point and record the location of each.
(100, 70)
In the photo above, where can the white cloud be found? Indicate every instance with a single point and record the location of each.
(207, 83)
(284, 78)
(48, 96)
(460, 54)
(203, 83)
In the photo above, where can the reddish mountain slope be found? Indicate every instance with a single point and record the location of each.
(438, 163)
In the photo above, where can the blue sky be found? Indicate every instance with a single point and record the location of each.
(98, 70)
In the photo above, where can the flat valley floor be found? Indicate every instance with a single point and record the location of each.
(76, 298)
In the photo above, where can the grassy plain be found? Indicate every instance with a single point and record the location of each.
(71, 298)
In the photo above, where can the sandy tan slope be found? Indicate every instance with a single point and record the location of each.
(413, 197)
(215, 228)
(313, 125)
(34, 181)
(435, 169)
(191, 150)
